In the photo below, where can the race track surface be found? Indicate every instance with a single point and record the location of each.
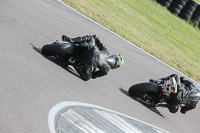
(31, 84)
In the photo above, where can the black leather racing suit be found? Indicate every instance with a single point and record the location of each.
(96, 58)
(190, 86)
(175, 99)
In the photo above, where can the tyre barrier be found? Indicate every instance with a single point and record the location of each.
(196, 17)
(188, 10)
(165, 3)
(176, 6)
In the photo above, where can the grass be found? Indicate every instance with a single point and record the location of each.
(151, 27)
(198, 1)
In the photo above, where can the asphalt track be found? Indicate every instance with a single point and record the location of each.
(30, 84)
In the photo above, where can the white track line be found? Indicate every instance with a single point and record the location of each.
(53, 114)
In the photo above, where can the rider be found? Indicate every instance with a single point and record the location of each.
(177, 93)
(98, 57)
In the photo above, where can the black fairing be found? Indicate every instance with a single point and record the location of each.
(194, 95)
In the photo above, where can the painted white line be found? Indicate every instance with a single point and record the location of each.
(83, 124)
(119, 122)
(126, 41)
(53, 113)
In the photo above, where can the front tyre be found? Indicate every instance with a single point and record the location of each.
(148, 92)
(147, 87)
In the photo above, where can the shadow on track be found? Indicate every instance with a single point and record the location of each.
(150, 107)
(53, 59)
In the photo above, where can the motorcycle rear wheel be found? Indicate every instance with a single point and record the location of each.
(57, 49)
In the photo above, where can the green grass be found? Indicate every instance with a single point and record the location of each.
(151, 27)
(198, 1)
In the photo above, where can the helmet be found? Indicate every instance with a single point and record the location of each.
(115, 61)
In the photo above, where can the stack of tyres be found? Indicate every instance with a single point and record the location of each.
(176, 6)
(196, 16)
(165, 3)
(188, 10)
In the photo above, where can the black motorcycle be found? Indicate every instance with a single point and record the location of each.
(66, 52)
(153, 93)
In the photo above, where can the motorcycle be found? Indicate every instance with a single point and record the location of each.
(66, 52)
(159, 93)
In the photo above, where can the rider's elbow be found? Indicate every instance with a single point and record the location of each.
(85, 78)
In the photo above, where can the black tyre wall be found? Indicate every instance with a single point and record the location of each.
(175, 8)
(188, 10)
(177, 5)
(185, 9)
(181, 2)
(184, 16)
(165, 3)
(196, 16)
(197, 11)
(192, 3)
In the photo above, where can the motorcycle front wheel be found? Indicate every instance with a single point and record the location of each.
(143, 87)
(145, 91)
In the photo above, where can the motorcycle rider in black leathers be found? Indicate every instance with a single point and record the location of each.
(178, 97)
(98, 61)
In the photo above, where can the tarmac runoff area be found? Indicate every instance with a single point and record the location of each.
(76, 117)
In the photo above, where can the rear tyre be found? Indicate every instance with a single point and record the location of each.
(57, 49)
